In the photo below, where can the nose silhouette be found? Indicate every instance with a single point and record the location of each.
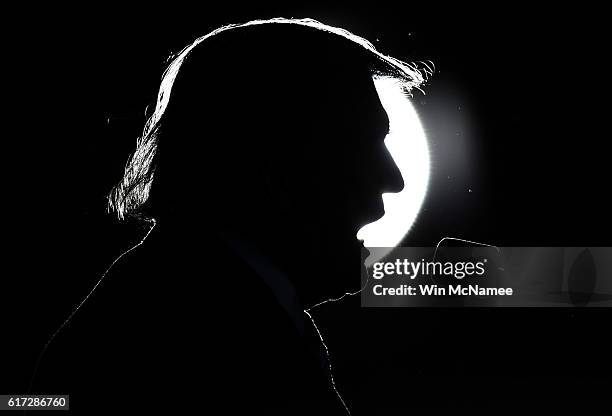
(391, 177)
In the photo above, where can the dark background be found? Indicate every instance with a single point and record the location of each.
(516, 112)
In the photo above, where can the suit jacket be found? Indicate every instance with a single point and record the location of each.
(181, 326)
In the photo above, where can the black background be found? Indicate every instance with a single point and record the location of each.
(524, 90)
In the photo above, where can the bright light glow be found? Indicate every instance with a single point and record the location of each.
(407, 144)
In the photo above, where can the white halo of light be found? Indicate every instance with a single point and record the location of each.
(407, 144)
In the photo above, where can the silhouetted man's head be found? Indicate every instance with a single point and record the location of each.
(272, 130)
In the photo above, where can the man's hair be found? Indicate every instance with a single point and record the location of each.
(131, 194)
